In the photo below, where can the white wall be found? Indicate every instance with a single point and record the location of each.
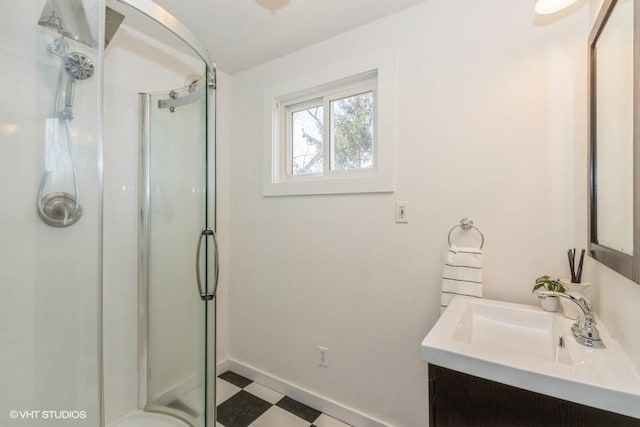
(616, 298)
(490, 108)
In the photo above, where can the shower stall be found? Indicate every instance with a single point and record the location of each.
(108, 251)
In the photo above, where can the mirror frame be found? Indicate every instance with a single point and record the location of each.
(626, 265)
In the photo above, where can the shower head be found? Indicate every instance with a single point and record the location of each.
(74, 19)
(78, 66)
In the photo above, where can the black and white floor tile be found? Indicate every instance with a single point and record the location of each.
(244, 403)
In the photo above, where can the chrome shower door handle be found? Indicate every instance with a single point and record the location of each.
(216, 263)
(203, 294)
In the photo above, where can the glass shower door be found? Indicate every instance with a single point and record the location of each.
(176, 230)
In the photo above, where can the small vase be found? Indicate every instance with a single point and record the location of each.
(584, 288)
(549, 304)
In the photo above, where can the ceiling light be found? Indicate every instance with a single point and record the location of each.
(547, 7)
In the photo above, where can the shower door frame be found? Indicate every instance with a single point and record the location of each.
(164, 18)
(144, 239)
(167, 20)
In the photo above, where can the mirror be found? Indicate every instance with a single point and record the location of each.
(613, 100)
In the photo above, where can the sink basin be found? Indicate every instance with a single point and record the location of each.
(526, 347)
(520, 331)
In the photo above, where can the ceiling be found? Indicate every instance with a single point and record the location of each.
(240, 34)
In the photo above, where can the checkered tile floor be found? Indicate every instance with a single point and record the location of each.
(243, 403)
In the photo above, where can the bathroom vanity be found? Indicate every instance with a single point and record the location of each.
(496, 363)
(458, 399)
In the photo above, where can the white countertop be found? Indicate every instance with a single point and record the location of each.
(602, 378)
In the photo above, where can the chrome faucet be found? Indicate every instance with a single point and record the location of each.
(584, 330)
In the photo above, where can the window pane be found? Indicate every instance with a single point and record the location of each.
(306, 128)
(352, 132)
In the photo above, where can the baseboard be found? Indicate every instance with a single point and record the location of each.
(321, 403)
(176, 391)
(223, 367)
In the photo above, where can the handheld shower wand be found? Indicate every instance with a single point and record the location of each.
(70, 19)
(61, 209)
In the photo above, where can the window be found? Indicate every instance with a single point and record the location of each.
(333, 132)
(332, 137)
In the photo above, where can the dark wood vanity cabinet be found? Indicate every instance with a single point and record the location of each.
(458, 399)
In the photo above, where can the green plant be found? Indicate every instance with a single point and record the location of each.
(549, 284)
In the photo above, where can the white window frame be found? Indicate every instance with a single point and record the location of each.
(358, 77)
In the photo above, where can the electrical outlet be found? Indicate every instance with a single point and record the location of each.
(402, 215)
(323, 356)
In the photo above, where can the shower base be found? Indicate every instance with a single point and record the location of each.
(146, 419)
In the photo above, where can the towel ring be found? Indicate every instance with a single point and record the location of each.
(466, 224)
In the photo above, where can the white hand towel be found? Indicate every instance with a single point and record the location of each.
(461, 274)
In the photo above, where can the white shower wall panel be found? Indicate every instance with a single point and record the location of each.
(48, 276)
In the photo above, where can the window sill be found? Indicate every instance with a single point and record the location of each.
(350, 185)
